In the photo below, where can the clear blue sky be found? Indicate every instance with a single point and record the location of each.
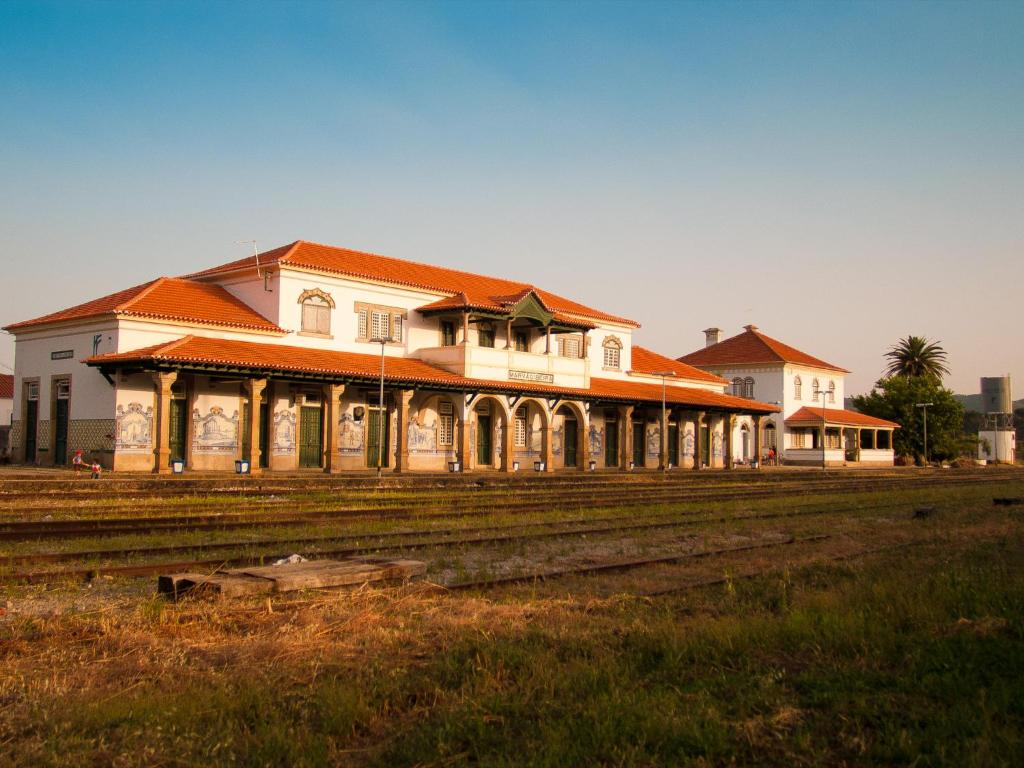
(841, 174)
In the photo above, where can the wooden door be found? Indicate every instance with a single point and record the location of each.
(569, 441)
(377, 438)
(178, 430)
(484, 440)
(705, 444)
(639, 440)
(673, 444)
(31, 429)
(264, 435)
(611, 443)
(60, 434)
(311, 436)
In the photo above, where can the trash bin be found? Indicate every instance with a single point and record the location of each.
(241, 466)
(177, 466)
(454, 466)
(538, 466)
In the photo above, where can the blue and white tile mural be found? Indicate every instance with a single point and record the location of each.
(350, 434)
(284, 432)
(133, 428)
(215, 432)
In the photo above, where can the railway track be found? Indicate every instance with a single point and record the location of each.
(22, 530)
(406, 540)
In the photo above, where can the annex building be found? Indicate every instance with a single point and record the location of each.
(277, 359)
(812, 427)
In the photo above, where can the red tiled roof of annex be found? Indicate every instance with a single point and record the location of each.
(403, 370)
(6, 386)
(481, 292)
(646, 361)
(166, 298)
(811, 415)
(752, 347)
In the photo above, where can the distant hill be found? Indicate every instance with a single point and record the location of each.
(973, 402)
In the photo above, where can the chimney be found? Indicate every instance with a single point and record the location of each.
(712, 336)
(750, 327)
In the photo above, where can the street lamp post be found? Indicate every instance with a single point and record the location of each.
(824, 431)
(664, 421)
(924, 413)
(382, 340)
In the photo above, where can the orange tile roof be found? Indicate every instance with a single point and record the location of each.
(752, 347)
(166, 298)
(279, 358)
(6, 386)
(481, 291)
(646, 361)
(811, 415)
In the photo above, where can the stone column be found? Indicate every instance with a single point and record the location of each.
(728, 423)
(465, 439)
(332, 411)
(626, 436)
(586, 343)
(583, 442)
(508, 333)
(757, 439)
(254, 391)
(162, 383)
(508, 439)
(548, 453)
(465, 327)
(404, 397)
(547, 341)
(698, 458)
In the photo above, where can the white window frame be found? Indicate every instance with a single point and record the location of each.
(445, 424)
(520, 428)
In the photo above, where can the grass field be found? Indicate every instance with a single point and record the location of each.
(895, 641)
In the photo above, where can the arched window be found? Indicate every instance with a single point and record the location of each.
(770, 436)
(316, 311)
(737, 387)
(798, 387)
(831, 391)
(815, 389)
(748, 388)
(612, 352)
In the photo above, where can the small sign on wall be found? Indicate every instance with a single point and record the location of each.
(63, 354)
(547, 378)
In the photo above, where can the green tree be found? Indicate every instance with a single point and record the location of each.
(916, 356)
(895, 398)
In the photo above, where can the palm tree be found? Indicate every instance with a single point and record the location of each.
(916, 356)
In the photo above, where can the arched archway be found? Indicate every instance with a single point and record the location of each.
(531, 432)
(571, 436)
(490, 440)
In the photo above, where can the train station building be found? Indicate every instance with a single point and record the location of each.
(279, 361)
(812, 427)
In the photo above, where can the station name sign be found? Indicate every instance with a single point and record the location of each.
(545, 378)
(64, 354)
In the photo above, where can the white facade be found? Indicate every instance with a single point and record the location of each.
(116, 410)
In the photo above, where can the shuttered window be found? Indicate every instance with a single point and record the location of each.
(446, 425)
(380, 325)
(363, 323)
(569, 347)
(520, 436)
(316, 315)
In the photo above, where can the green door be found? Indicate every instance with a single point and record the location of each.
(569, 442)
(673, 444)
(311, 436)
(178, 429)
(705, 444)
(638, 443)
(611, 443)
(377, 438)
(484, 434)
(60, 435)
(31, 427)
(264, 435)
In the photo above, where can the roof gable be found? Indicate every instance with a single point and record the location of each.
(753, 347)
(166, 298)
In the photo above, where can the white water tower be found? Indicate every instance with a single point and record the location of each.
(997, 439)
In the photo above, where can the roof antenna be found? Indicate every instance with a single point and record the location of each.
(256, 256)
